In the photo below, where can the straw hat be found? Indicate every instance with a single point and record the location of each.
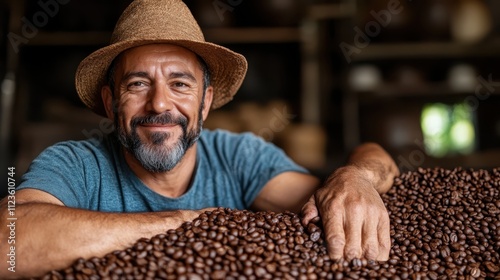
(160, 21)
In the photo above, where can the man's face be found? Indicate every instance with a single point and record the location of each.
(160, 103)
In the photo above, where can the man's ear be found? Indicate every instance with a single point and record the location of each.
(209, 94)
(107, 100)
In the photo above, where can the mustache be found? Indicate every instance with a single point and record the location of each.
(161, 119)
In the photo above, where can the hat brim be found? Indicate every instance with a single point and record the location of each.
(227, 70)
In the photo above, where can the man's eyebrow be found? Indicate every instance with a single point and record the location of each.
(172, 75)
(186, 75)
(139, 74)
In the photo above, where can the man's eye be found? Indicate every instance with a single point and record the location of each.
(179, 84)
(136, 84)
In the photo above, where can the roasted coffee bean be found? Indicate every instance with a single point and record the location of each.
(490, 266)
(444, 225)
(475, 272)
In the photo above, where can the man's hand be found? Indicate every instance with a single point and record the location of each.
(355, 220)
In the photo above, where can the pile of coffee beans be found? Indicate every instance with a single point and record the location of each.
(445, 224)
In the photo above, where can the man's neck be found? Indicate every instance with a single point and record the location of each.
(173, 183)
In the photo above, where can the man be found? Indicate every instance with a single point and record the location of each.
(157, 81)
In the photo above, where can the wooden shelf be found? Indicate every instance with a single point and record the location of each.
(488, 159)
(331, 11)
(70, 38)
(233, 35)
(435, 91)
(379, 51)
(425, 90)
(216, 35)
(252, 35)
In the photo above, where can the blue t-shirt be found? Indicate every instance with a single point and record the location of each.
(231, 170)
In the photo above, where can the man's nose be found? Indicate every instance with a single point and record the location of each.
(160, 99)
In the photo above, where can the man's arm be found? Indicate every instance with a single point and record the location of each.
(51, 236)
(286, 192)
(355, 220)
(378, 166)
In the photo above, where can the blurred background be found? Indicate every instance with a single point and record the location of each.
(421, 78)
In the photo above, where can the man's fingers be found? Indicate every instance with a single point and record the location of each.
(384, 239)
(371, 239)
(309, 211)
(353, 233)
(333, 225)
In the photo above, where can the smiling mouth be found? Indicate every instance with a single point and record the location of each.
(159, 125)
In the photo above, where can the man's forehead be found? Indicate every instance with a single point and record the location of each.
(147, 57)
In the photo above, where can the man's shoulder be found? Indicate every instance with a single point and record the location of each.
(223, 136)
(233, 145)
(81, 148)
(73, 171)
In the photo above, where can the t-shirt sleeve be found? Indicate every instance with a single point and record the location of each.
(257, 162)
(59, 171)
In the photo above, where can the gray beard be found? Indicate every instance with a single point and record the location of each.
(154, 156)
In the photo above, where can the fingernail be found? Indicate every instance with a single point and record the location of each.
(315, 219)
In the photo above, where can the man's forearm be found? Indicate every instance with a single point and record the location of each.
(376, 164)
(52, 237)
